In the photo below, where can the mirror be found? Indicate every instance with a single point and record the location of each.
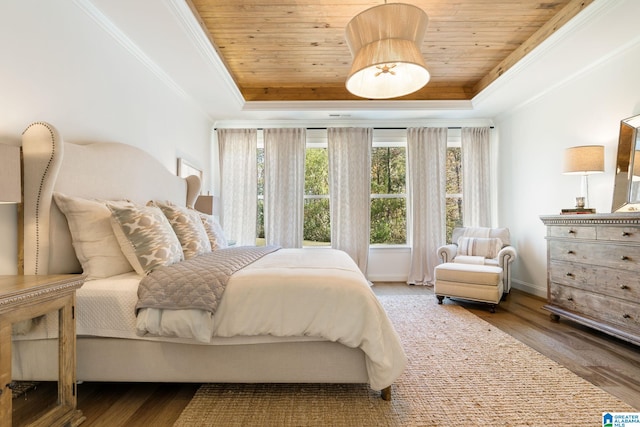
(626, 187)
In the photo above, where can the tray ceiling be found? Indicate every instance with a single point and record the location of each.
(293, 50)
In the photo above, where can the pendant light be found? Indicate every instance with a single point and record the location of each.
(385, 44)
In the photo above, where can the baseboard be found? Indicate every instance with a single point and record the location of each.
(387, 278)
(516, 284)
(529, 288)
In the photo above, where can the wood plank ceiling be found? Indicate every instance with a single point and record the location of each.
(291, 50)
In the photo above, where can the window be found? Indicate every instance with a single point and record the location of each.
(260, 239)
(453, 183)
(388, 194)
(388, 188)
(317, 223)
(317, 227)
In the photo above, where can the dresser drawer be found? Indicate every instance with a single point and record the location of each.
(624, 284)
(624, 257)
(572, 232)
(621, 234)
(611, 310)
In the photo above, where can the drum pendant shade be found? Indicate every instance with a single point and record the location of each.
(385, 44)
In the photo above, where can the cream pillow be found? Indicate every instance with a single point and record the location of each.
(214, 231)
(145, 236)
(487, 247)
(188, 227)
(92, 237)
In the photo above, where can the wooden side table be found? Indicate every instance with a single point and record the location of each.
(26, 297)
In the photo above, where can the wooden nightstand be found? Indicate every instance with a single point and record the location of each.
(26, 297)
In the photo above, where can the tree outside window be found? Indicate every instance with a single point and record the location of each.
(260, 239)
(388, 195)
(317, 223)
(454, 190)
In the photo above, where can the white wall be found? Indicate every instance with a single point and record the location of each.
(584, 110)
(58, 65)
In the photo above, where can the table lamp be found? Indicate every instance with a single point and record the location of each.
(584, 160)
(10, 188)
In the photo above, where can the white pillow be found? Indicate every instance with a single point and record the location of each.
(92, 237)
(188, 227)
(145, 236)
(214, 231)
(487, 247)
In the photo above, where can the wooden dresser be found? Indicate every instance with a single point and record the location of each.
(593, 271)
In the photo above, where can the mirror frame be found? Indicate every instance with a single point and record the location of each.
(625, 199)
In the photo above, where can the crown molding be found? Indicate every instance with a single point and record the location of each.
(106, 24)
(356, 105)
(115, 32)
(194, 29)
(591, 12)
(270, 123)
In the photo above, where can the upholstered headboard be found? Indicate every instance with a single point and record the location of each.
(109, 171)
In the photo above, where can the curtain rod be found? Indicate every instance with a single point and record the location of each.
(400, 128)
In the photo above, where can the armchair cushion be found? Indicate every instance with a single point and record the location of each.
(469, 259)
(487, 247)
(501, 233)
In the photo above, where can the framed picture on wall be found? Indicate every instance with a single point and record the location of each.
(186, 169)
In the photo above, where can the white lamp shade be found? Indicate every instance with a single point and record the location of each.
(583, 160)
(385, 43)
(10, 189)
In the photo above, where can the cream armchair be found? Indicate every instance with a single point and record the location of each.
(504, 258)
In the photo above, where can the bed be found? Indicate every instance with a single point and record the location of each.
(268, 326)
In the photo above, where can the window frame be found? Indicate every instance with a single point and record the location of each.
(396, 137)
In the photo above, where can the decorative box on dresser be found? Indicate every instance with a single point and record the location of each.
(593, 271)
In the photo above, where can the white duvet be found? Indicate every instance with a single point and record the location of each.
(293, 293)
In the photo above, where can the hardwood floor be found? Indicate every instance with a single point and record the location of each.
(609, 363)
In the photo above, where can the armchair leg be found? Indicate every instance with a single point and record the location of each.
(440, 298)
(504, 296)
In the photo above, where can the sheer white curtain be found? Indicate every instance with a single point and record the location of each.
(284, 152)
(238, 179)
(426, 162)
(350, 191)
(476, 177)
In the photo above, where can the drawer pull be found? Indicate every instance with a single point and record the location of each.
(570, 299)
(572, 232)
(623, 287)
(625, 258)
(626, 234)
(626, 316)
(570, 252)
(570, 275)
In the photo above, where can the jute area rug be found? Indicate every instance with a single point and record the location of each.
(462, 371)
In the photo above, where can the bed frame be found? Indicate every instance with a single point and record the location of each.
(118, 171)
